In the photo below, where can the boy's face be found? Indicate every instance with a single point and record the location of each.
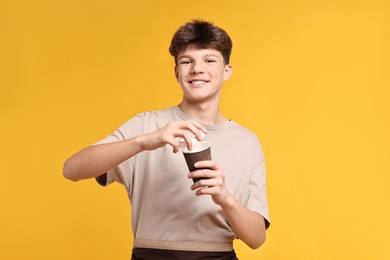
(201, 73)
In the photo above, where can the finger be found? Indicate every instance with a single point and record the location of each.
(175, 144)
(203, 191)
(211, 182)
(202, 173)
(195, 127)
(188, 140)
(199, 126)
(207, 164)
(199, 185)
(210, 190)
(196, 132)
(184, 134)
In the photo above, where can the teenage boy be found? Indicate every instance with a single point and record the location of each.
(173, 218)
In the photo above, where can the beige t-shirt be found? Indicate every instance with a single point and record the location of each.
(166, 214)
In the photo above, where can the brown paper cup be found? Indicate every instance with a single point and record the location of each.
(200, 152)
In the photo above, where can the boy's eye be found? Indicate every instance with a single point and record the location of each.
(184, 62)
(210, 60)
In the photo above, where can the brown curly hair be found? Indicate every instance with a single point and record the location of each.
(203, 35)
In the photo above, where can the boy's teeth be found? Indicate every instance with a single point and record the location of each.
(198, 82)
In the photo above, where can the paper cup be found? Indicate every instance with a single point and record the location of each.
(200, 152)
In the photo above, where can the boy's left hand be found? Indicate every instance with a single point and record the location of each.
(214, 185)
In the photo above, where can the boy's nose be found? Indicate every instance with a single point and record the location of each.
(197, 68)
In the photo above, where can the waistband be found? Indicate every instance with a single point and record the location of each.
(184, 245)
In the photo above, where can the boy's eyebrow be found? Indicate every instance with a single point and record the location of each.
(184, 56)
(211, 54)
(189, 56)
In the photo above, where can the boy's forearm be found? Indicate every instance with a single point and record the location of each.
(98, 159)
(248, 225)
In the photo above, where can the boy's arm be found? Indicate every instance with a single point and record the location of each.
(95, 160)
(248, 225)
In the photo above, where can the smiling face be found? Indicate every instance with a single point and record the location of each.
(201, 73)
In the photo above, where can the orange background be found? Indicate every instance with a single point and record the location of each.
(311, 79)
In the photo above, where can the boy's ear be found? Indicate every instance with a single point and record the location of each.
(227, 72)
(176, 73)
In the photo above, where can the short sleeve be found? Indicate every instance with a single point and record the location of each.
(257, 194)
(122, 173)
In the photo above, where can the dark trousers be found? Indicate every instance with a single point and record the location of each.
(161, 254)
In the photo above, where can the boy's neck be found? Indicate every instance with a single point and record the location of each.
(205, 113)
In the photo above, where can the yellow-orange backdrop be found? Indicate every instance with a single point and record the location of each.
(311, 79)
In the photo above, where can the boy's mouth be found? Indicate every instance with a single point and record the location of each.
(198, 82)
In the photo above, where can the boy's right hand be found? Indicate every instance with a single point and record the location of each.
(170, 133)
